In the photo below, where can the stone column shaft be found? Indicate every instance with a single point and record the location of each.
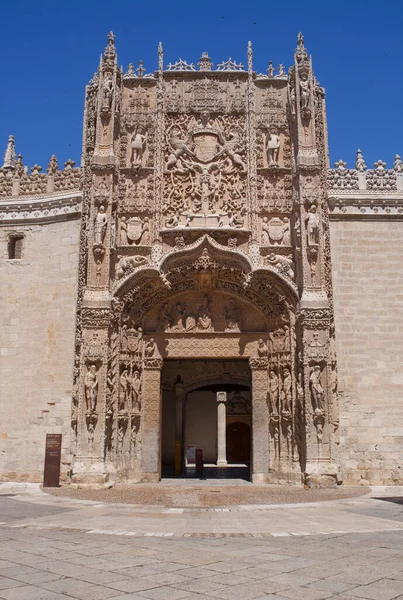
(221, 428)
(260, 421)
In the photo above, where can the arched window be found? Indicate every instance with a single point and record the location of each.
(15, 246)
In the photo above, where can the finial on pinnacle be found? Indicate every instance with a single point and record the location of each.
(9, 155)
(110, 51)
(300, 40)
(160, 58)
(359, 161)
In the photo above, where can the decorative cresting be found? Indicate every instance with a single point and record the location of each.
(204, 235)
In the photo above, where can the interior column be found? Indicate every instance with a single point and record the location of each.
(221, 428)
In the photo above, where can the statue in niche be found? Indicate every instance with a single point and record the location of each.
(312, 226)
(136, 385)
(232, 317)
(191, 323)
(273, 393)
(286, 241)
(265, 232)
(262, 349)
(107, 91)
(292, 101)
(124, 390)
(165, 318)
(101, 222)
(273, 146)
(286, 393)
(145, 233)
(138, 144)
(204, 322)
(150, 348)
(305, 93)
(91, 388)
(317, 391)
(178, 322)
(135, 340)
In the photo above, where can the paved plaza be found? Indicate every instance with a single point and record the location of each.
(57, 548)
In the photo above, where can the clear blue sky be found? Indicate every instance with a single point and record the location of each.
(50, 50)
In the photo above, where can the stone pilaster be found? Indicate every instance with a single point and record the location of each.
(260, 429)
(152, 420)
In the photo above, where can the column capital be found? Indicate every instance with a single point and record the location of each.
(222, 397)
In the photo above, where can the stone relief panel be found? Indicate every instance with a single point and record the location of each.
(205, 171)
(199, 312)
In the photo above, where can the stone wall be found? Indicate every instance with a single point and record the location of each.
(38, 299)
(368, 296)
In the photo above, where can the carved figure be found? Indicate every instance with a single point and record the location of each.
(165, 318)
(138, 144)
(273, 393)
(124, 389)
(178, 324)
(129, 263)
(265, 232)
(282, 264)
(286, 241)
(204, 321)
(273, 146)
(136, 385)
(286, 393)
(101, 221)
(292, 101)
(232, 317)
(233, 220)
(91, 388)
(317, 391)
(173, 221)
(107, 91)
(305, 92)
(312, 226)
(150, 348)
(262, 349)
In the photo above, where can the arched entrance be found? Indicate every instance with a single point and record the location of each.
(199, 397)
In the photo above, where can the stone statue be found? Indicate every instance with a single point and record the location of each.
(292, 101)
(272, 394)
(262, 349)
(305, 91)
(312, 226)
(107, 91)
(150, 348)
(124, 389)
(165, 318)
(204, 321)
(138, 144)
(145, 232)
(273, 146)
(286, 393)
(101, 221)
(135, 385)
(265, 231)
(286, 241)
(178, 324)
(317, 391)
(282, 264)
(232, 317)
(91, 388)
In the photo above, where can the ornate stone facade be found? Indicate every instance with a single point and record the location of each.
(206, 195)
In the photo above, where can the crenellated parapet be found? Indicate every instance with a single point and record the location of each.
(365, 192)
(17, 181)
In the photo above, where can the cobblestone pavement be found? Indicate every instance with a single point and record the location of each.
(57, 548)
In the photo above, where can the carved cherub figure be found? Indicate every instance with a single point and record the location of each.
(138, 144)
